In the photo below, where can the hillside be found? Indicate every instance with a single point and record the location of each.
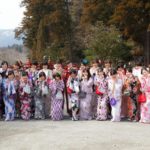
(7, 37)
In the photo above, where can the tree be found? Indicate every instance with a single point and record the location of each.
(132, 18)
(45, 26)
(105, 42)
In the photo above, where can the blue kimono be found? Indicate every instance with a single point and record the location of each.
(9, 93)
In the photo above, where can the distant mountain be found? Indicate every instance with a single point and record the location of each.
(7, 38)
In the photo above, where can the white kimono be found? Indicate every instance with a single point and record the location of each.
(48, 72)
(115, 91)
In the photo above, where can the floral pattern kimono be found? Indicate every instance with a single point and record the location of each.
(74, 84)
(86, 102)
(115, 91)
(145, 107)
(41, 96)
(25, 99)
(57, 88)
(33, 76)
(9, 95)
(102, 109)
(131, 90)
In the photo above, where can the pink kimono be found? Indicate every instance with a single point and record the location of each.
(145, 107)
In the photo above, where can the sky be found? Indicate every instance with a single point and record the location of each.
(11, 14)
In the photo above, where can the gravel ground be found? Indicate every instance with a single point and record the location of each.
(69, 135)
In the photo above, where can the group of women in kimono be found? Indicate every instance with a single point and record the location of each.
(86, 92)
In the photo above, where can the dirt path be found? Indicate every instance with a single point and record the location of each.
(68, 135)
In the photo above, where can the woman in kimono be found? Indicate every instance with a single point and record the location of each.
(101, 83)
(131, 90)
(93, 72)
(115, 85)
(57, 88)
(9, 94)
(17, 72)
(1, 98)
(145, 88)
(73, 93)
(49, 77)
(48, 72)
(25, 89)
(41, 93)
(58, 69)
(80, 71)
(86, 90)
(33, 76)
(4, 73)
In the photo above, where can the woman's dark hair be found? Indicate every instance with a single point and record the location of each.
(107, 61)
(139, 63)
(57, 75)
(144, 68)
(4, 62)
(129, 69)
(59, 61)
(88, 71)
(73, 71)
(68, 62)
(42, 74)
(10, 72)
(45, 63)
(113, 72)
(34, 62)
(120, 66)
(17, 64)
(101, 70)
(94, 61)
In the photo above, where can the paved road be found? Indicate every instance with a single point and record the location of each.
(69, 135)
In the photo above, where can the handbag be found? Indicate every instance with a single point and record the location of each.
(142, 98)
(59, 95)
(69, 90)
(113, 101)
(98, 92)
(82, 94)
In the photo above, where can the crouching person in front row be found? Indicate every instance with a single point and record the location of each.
(73, 93)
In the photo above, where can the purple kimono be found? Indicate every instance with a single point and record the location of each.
(86, 103)
(57, 88)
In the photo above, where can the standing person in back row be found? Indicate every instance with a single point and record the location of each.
(48, 72)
